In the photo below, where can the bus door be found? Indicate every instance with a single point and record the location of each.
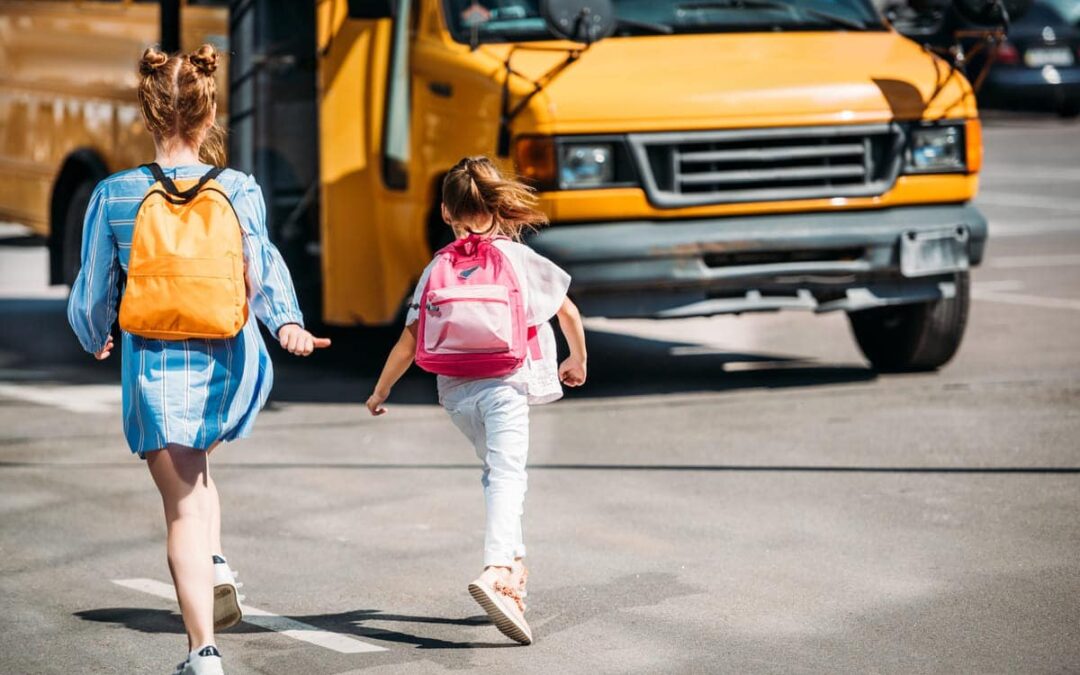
(373, 224)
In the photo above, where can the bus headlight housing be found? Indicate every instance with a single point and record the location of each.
(936, 149)
(574, 162)
(586, 165)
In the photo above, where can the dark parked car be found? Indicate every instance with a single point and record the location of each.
(1039, 64)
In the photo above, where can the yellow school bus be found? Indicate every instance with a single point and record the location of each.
(68, 115)
(695, 158)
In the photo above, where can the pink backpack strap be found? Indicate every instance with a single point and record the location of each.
(535, 352)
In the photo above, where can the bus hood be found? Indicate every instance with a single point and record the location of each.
(739, 80)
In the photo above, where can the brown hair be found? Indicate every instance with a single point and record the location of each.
(177, 94)
(475, 189)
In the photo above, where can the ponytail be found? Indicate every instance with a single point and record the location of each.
(475, 190)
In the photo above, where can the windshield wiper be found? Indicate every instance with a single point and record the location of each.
(853, 24)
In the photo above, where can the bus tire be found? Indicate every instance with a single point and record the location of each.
(71, 251)
(913, 338)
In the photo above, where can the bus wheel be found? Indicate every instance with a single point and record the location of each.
(919, 337)
(1069, 108)
(73, 229)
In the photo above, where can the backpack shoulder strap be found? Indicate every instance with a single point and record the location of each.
(170, 186)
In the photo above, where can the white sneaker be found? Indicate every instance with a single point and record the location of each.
(227, 611)
(504, 607)
(205, 661)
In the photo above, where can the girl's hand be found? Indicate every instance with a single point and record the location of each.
(105, 351)
(298, 341)
(572, 372)
(375, 402)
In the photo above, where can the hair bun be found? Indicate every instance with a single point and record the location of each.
(204, 59)
(152, 59)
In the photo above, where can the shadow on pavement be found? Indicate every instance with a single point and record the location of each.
(353, 622)
(150, 620)
(574, 605)
(167, 621)
(37, 344)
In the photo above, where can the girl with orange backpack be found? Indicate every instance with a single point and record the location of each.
(191, 238)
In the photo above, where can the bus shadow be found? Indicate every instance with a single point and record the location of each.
(37, 344)
(619, 365)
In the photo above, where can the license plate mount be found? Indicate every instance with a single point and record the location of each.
(929, 252)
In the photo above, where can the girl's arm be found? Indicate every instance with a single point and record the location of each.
(572, 371)
(399, 360)
(92, 303)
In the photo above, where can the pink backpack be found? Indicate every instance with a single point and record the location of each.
(472, 316)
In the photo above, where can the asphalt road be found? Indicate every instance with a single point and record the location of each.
(726, 495)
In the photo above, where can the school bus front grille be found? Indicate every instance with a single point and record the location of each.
(749, 165)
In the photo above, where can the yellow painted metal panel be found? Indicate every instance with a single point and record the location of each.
(67, 82)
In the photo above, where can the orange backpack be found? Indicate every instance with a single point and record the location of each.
(186, 270)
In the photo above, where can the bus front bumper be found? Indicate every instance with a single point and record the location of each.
(826, 261)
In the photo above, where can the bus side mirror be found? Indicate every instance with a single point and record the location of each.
(371, 9)
(585, 21)
(992, 12)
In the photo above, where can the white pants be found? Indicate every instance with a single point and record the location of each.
(494, 415)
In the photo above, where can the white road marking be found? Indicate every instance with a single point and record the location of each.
(1027, 229)
(995, 198)
(1002, 285)
(1053, 260)
(24, 274)
(982, 293)
(1032, 173)
(344, 644)
(86, 398)
(14, 230)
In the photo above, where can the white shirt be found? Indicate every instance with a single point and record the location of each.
(543, 288)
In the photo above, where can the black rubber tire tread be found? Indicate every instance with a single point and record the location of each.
(912, 338)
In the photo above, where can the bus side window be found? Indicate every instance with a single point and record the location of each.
(398, 104)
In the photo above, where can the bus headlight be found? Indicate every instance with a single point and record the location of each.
(586, 165)
(936, 149)
(574, 162)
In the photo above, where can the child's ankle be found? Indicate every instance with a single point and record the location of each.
(501, 572)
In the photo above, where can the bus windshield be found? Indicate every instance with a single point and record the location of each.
(520, 20)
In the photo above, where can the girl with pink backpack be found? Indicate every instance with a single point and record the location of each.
(479, 319)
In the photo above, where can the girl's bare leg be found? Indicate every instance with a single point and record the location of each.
(215, 519)
(215, 509)
(181, 477)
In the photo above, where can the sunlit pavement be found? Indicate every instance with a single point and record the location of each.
(726, 494)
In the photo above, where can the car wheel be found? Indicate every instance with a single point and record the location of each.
(1069, 107)
(73, 230)
(919, 337)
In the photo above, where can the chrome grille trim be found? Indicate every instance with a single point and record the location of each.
(715, 167)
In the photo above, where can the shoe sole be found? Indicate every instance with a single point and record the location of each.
(506, 624)
(226, 607)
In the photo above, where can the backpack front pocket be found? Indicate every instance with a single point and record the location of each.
(468, 319)
(176, 298)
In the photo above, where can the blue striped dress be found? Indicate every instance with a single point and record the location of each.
(189, 392)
